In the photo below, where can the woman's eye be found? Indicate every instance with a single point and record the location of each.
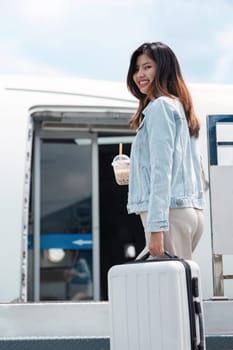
(147, 67)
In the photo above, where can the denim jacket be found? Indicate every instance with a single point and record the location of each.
(165, 169)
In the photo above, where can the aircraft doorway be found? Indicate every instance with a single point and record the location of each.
(80, 216)
(121, 235)
(65, 261)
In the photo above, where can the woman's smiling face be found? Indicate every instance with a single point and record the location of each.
(144, 73)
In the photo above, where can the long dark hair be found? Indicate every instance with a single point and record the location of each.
(168, 81)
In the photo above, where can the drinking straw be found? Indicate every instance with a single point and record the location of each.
(120, 148)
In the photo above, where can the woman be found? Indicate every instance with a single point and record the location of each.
(165, 184)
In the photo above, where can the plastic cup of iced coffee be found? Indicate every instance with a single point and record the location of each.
(121, 165)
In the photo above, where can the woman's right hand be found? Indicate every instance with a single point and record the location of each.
(156, 244)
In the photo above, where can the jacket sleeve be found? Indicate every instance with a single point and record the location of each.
(161, 128)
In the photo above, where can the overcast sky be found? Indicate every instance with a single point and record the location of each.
(95, 38)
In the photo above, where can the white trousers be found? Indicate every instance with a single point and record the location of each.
(185, 230)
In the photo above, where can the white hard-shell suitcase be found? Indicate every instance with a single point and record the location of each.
(156, 305)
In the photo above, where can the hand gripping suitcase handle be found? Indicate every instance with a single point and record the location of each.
(147, 255)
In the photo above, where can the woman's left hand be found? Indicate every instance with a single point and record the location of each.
(156, 245)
